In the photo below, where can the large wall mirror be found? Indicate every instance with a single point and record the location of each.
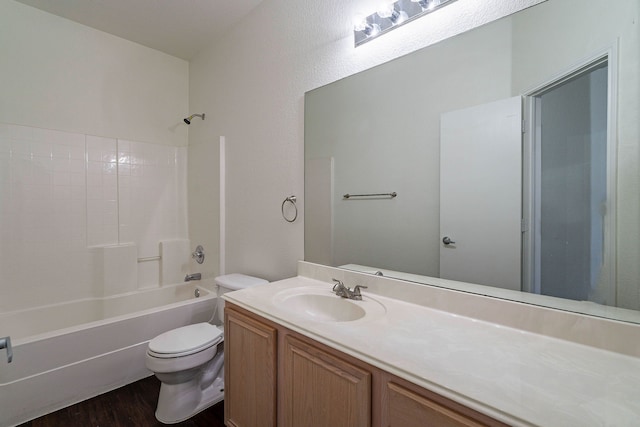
(502, 161)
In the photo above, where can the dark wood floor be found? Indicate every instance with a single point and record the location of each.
(131, 406)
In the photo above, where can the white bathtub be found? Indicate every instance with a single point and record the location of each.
(66, 353)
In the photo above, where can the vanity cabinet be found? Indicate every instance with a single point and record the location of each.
(275, 376)
(250, 371)
(406, 405)
(320, 389)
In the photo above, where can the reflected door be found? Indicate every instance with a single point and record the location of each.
(481, 194)
(570, 193)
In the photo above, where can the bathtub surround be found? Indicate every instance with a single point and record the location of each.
(93, 155)
(90, 212)
(93, 168)
(119, 269)
(174, 265)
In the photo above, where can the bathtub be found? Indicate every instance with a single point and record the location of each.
(69, 352)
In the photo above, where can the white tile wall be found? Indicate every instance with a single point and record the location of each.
(62, 193)
(102, 191)
(152, 197)
(176, 257)
(120, 266)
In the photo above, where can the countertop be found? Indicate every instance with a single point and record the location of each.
(517, 377)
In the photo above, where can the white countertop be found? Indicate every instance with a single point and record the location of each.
(518, 377)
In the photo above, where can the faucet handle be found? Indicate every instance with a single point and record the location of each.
(198, 255)
(355, 294)
(338, 284)
(356, 289)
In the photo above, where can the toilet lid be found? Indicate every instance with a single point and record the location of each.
(236, 281)
(185, 340)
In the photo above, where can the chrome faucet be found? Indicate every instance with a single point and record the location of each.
(344, 292)
(194, 276)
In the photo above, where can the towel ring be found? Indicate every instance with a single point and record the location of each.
(292, 200)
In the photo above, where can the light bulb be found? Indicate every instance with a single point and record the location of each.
(386, 10)
(372, 30)
(359, 23)
(389, 11)
(400, 17)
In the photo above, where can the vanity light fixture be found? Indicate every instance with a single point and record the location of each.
(391, 15)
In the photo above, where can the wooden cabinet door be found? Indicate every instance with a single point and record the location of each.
(250, 372)
(321, 389)
(408, 408)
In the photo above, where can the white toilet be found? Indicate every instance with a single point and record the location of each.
(189, 361)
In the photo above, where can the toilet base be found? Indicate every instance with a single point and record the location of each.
(168, 415)
(179, 402)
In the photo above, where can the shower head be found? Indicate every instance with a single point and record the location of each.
(188, 119)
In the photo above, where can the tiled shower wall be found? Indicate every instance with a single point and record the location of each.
(64, 197)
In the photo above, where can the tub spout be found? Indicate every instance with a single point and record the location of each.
(194, 276)
(6, 343)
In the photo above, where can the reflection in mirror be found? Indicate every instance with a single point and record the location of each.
(513, 150)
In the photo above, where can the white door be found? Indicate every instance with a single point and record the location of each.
(481, 194)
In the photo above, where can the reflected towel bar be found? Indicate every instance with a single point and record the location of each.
(151, 258)
(391, 195)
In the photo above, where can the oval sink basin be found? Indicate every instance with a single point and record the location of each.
(325, 307)
(322, 305)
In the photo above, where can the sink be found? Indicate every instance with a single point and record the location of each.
(322, 305)
(326, 307)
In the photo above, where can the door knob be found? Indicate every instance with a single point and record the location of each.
(447, 241)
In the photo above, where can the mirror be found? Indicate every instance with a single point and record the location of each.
(394, 129)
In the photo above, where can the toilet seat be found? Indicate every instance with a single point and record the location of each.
(184, 341)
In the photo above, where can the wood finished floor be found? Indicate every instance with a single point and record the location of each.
(133, 405)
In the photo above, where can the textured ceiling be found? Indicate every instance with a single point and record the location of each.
(178, 27)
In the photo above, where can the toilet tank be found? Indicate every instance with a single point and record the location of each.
(233, 282)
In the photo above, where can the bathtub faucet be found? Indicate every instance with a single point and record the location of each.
(194, 276)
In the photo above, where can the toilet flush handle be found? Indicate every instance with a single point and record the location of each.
(6, 343)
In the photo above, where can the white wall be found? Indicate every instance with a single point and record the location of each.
(251, 85)
(92, 154)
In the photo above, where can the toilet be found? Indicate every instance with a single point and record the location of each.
(189, 361)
